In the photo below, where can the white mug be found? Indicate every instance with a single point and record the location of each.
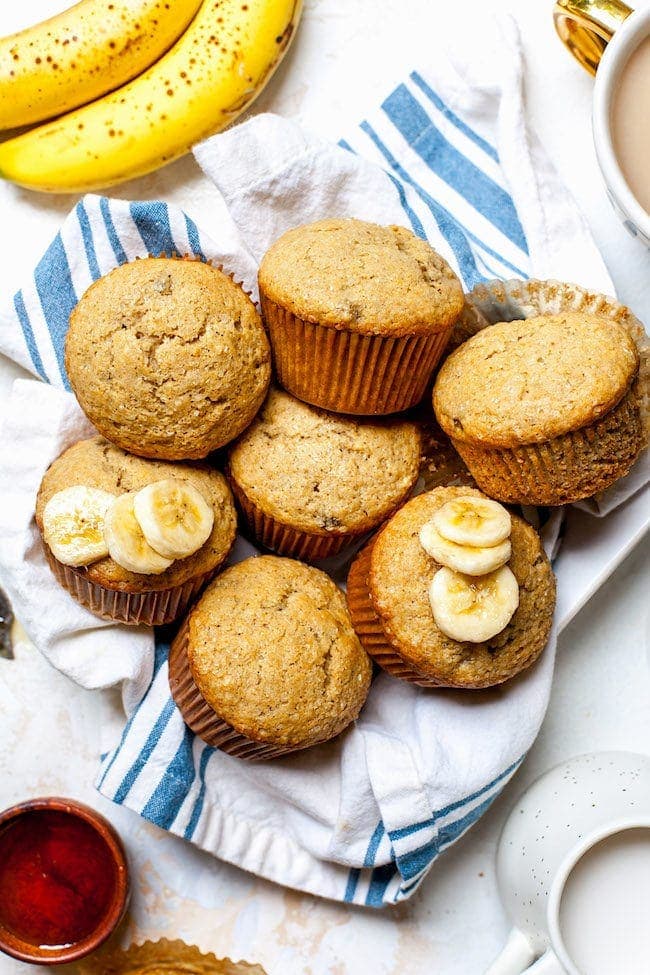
(601, 34)
(563, 819)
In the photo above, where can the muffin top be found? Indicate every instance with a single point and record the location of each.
(361, 277)
(168, 358)
(321, 472)
(96, 463)
(528, 381)
(272, 650)
(401, 572)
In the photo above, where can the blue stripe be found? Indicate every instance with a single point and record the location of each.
(200, 799)
(414, 862)
(381, 877)
(444, 109)
(447, 224)
(168, 796)
(161, 650)
(489, 250)
(451, 832)
(373, 845)
(162, 635)
(152, 221)
(442, 158)
(111, 233)
(89, 244)
(194, 237)
(117, 751)
(415, 221)
(351, 886)
(399, 834)
(28, 335)
(148, 747)
(344, 144)
(57, 295)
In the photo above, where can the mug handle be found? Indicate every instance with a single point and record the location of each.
(585, 27)
(516, 956)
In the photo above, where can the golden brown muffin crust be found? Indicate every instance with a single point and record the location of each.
(168, 358)
(324, 473)
(529, 381)
(273, 652)
(96, 463)
(401, 573)
(358, 276)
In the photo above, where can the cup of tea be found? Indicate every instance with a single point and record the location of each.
(612, 41)
(573, 870)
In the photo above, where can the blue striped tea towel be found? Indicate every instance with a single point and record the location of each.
(361, 819)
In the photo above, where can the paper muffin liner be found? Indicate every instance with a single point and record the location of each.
(347, 372)
(285, 540)
(568, 468)
(162, 958)
(369, 629)
(201, 718)
(578, 464)
(133, 608)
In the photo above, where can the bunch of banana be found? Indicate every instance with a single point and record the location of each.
(474, 594)
(143, 531)
(211, 73)
(86, 51)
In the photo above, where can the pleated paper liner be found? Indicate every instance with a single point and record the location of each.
(202, 719)
(285, 540)
(296, 543)
(347, 372)
(368, 626)
(162, 958)
(132, 608)
(578, 464)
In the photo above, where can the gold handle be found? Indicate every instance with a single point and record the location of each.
(586, 26)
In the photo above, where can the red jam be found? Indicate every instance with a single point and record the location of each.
(57, 878)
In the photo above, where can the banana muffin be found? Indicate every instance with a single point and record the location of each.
(133, 540)
(168, 358)
(310, 482)
(545, 410)
(358, 314)
(267, 662)
(454, 591)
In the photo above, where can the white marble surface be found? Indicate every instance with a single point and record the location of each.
(455, 924)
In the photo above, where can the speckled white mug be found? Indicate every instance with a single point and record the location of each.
(553, 825)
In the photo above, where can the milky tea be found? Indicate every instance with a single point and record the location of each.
(630, 124)
(605, 906)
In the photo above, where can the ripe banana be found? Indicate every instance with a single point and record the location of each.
(82, 53)
(126, 544)
(73, 524)
(473, 521)
(470, 559)
(174, 517)
(208, 77)
(470, 609)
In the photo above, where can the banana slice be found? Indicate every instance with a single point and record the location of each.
(126, 544)
(473, 521)
(469, 559)
(73, 524)
(175, 518)
(473, 610)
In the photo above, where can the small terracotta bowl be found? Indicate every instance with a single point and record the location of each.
(10, 942)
